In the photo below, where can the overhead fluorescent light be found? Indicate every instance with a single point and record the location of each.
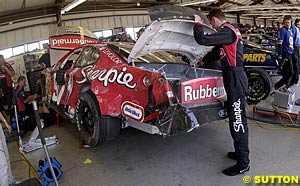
(263, 7)
(274, 14)
(71, 6)
(196, 2)
(265, 17)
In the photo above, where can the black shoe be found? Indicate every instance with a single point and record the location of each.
(232, 155)
(235, 170)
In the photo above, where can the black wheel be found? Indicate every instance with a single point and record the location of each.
(91, 125)
(259, 85)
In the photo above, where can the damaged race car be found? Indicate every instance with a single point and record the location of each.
(105, 87)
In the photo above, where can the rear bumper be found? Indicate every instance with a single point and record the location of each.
(184, 118)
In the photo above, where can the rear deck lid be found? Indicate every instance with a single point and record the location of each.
(173, 34)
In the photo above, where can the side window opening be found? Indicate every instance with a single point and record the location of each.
(67, 64)
(89, 56)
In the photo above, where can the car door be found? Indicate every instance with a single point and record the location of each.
(88, 56)
(63, 78)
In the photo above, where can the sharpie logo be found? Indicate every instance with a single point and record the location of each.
(107, 76)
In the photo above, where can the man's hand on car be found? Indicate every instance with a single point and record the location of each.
(198, 19)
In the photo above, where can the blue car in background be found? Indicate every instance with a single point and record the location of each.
(260, 62)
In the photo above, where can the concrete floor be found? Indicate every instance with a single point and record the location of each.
(140, 159)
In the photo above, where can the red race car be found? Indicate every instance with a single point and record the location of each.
(147, 85)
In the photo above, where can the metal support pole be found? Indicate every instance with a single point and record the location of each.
(38, 124)
(14, 101)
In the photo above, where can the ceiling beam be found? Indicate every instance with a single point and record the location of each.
(272, 13)
(236, 3)
(255, 2)
(220, 3)
(24, 4)
(27, 13)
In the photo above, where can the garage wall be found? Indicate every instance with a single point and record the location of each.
(39, 29)
(25, 35)
(103, 23)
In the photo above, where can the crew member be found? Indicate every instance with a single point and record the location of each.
(229, 41)
(6, 74)
(295, 55)
(285, 51)
(24, 110)
(6, 177)
(45, 60)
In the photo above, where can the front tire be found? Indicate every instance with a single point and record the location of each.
(259, 85)
(91, 125)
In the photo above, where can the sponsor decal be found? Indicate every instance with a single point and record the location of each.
(238, 123)
(107, 76)
(255, 57)
(111, 55)
(133, 111)
(70, 41)
(200, 90)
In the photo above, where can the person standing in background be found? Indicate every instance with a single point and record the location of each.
(6, 75)
(6, 177)
(286, 50)
(295, 55)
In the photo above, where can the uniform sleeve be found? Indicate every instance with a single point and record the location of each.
(212, 55)
(281, 34)
(295, 35)
(224, 36)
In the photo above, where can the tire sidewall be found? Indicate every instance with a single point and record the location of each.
(91, 140)
(264, 78)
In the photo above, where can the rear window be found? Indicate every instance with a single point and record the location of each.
(89, 56)
(157, 57)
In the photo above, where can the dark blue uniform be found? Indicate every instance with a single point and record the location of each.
(287, 38)
(295, 55)
(229, 41)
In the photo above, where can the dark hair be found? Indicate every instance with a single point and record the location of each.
(2, 57)
(287, 17)
(21, 78)
(216, 12)
(297, 21)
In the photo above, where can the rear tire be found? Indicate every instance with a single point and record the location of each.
(92, 127)
(259, 85)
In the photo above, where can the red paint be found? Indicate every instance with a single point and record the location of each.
(70, 41)
(201, 90)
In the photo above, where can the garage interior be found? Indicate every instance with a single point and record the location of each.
(135, 157)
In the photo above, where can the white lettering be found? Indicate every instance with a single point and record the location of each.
(133, 112)
(107, 76)
(112, 56)
(188, 92)
(202, 92)
(238, 123)
(191, 94)
(59, 42)
(208, 91)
